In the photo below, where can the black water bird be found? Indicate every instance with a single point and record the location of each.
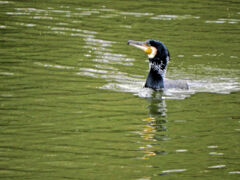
(159, 57)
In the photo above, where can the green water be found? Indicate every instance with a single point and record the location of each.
(72, 104)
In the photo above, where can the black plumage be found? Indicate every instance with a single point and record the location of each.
(159, 57)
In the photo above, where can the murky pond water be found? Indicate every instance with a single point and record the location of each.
(72, 104)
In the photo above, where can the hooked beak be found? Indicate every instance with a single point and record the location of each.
(141, 45)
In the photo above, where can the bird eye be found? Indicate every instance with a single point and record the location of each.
(150, 42)
(147, 42)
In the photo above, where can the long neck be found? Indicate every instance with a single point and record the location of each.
(157, 70)
(154, 80)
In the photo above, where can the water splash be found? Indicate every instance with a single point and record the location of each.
(209, 84)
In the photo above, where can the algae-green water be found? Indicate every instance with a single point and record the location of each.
(72, 102)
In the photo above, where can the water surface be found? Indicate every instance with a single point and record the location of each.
(72, 104)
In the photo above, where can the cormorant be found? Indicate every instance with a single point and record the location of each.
(159, 57)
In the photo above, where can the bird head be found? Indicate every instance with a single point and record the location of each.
(155, 50)
(147, 46)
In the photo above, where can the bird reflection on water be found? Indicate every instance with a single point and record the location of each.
(155, 125)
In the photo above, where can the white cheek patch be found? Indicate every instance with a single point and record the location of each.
(153, 53)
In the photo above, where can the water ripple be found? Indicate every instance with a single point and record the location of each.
(174, 17)
(223, 20)
(173, 171)
(217, 166)
(53, 66)
(136, 14)
(6, 2)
